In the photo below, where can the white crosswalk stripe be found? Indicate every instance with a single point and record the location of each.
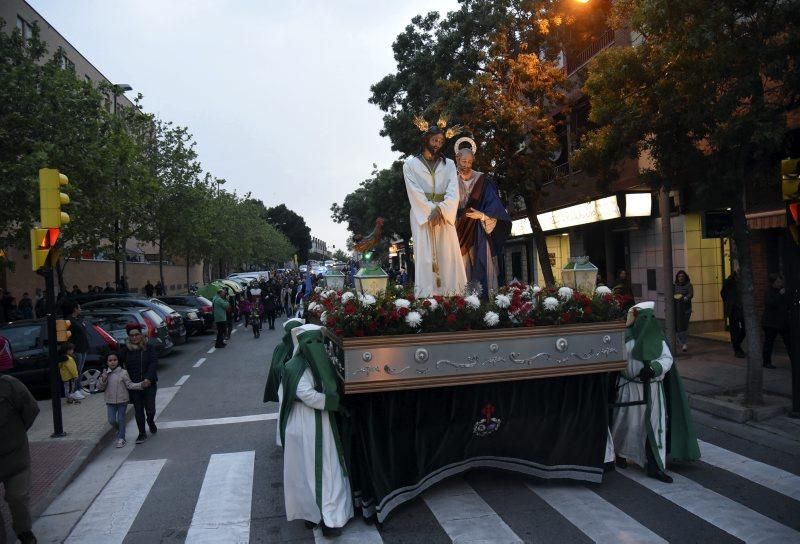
(111, 515)
(761, 473)
(465, 516)
(718, 510)
(222, 513)
(355, 532)
(594, 516)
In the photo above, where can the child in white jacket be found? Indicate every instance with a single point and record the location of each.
(116, 382)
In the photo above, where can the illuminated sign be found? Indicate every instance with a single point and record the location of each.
(590, 212)
(638, 204)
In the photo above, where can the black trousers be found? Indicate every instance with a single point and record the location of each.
(736, 322)
(769, 342)
(144, 406)
(222, 328)
(271, 319)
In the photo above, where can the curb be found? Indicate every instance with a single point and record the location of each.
(88, 451)
(725, 406)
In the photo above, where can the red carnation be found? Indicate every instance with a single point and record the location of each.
(330, 322)
(411, 298)
(460, 303)
(339, 332)
(587, 310)
(359, 332)
(381, 311)
(565, 317)
(403, 312)
(451, 318)
(349, 308)
(438, 298)
(372, 325)
(528, 323)
(426, 303)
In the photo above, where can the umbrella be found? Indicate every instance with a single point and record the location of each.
(210, 289)
(236, 287)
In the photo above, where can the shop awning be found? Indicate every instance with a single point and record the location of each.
(773, 219)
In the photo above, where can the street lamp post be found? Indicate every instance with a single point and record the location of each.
(118, 89)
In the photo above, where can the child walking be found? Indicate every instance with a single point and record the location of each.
(115, 381)
(68, 369)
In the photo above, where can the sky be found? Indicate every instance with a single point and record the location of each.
(275, 93)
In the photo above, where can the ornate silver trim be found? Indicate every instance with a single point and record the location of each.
(366, 356)
(517, 360)
(471, 364)
(562, 344)
(366, 370)
(421, 355)
(393, 371)
(493, 348)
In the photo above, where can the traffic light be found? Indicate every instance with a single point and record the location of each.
(42, 243)
(62, 330)
(51, 198)
(790, 179)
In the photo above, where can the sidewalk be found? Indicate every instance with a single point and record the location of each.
(56, 461)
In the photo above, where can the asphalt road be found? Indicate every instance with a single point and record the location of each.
(214, 474)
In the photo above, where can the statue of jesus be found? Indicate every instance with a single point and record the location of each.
(432, 187)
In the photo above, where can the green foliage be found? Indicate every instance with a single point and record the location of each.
(382, 195)
(340, 256)
(293, 226)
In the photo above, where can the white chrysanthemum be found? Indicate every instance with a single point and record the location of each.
(328, 294)
(314, 307)
(347, 296)
(414, 319)
(318, 289)
(324, 318)
(491, 319)
(367, 300)
(550, 303)
(473, 302)
(603, 290)
(565, 293)
(433, 304)
(535, 289)
(402, 303)
(502, 301)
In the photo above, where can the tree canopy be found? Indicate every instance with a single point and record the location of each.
(293, 226)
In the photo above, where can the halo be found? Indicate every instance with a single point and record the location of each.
(471, 142)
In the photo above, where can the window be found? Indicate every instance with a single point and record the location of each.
(25, 28)
(67, 64)
(22, 338)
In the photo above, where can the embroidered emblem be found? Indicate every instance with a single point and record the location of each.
(488, 424)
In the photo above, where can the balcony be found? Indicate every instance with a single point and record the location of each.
(580, 60)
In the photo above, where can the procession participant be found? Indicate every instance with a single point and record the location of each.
(315, 481)
(640, 431)
(432, 187)
(483, 224)
(281, 354)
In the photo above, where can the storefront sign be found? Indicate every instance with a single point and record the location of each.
(638, 204)
(590, 212)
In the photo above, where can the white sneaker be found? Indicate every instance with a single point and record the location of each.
(79, 395)
(121, 443)
(684, 348)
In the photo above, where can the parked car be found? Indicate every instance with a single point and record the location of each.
(174, 321)
(192, 320)
(203, 305)
(29, 348)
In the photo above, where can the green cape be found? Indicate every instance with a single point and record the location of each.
(648, 336)
(281, 354)
(312, 355)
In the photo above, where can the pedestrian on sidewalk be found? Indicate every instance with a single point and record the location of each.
(140, 360)
(220, 305)
(776, 317)
(149, 289)
(25, 307)
(732, 304)
(18, 410)
(116, 381)
(79, 338)
(69, 373)
(684, 293)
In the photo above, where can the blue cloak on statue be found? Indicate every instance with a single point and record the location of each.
(473, 237)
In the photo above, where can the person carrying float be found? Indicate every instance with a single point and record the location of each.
(281, 354)
(640, 430)
(315, 481)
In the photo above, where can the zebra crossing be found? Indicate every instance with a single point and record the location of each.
(223, 507)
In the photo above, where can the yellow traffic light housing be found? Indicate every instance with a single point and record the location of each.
(42, 242)
(790, 179)
(62, 330)
(51, 198)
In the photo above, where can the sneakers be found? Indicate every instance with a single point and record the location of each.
(121, 443)
(141, 438)
(684, 348)
(26, 538)
(78, 395)
(71, 400)
(153, 428)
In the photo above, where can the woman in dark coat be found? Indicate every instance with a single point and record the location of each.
(684, 293)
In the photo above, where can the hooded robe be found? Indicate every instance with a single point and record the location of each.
(281, 354)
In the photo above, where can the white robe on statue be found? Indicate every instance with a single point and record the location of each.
(299, 476)
(628, 431)
(442, 240)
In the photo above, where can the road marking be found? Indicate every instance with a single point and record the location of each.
(594, 516)
(182, 381)
(112, 513)
(215, 421)
(212, 350)
(222, 513)
(718, 510)
(465, 516)
(199, 362)
(770, 477)
(355, 532)
(234, 331)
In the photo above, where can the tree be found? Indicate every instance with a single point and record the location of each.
(340, 256)
(725, 77)
(293, 227)
(382, 195)
(491, 66)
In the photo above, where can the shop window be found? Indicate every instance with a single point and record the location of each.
(651, 279)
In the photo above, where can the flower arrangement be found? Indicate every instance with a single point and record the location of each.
(515, 305)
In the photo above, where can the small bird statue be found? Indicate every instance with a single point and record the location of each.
(368, 242)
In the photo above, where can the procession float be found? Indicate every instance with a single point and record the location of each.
(436, 386)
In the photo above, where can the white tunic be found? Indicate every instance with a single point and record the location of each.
(440, 241)
(299, 477)
(628, 430)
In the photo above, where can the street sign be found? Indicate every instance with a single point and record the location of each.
(717, 223)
